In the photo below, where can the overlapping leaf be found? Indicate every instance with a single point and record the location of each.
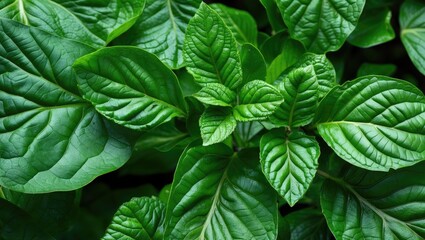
(216, 125)
(216, 94)
(253, 63)
(307, 224)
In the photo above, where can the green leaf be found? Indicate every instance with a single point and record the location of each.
(216, 125)
(300, 91)
(289, 162)
(215, 196)
(273, 46)
(246, 131)
(139, 219)
(161, 29)
(253, 63)
(130, 86)
(376, 69)
(273, 15)
(373, 205)
(216, 94)
(258, 100)
(210, 50)
(412, 23)
(50, 138)
(374, 122)
(308, 224)
(241, 23)
(321, 26)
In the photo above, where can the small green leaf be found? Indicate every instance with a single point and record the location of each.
(253, 63)
(210, 50)
(289, 162)
(216, 94)
(376, 69)
(139, 219)
(273, 46)
(216, 125)
(258, 100)
(307, 224)
(374, 122)
(273, 15)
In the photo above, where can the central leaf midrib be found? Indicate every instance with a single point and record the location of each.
(368, 124)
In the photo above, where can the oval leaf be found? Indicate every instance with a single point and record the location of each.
(216, 125)
(216, 94)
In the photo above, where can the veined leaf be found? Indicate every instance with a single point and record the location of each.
(216, 124)
(307, 224)
(161, 29)
(130, 86)
(374, 205)
(372, 122)
(139, 219)
(210, 50)
(321, 26)
(253, 63)
(50, 138)
(216, 196)
(258, 100)
(289, 162)
(412, 23)
(216, 94)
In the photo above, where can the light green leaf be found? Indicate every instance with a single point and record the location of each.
(216, 196)
(210, 50)
(130, 86)
(253, 63)
(373, 205)
(216, 94)
(258, 100)
(216, 125)
(161, 29)
(300, 91)
(50, 138)
(374, 122)
(273, 15)
(307, 224)
(412, 23)
(321, 26)
(289, 162)
(139, 219)
(376, 69)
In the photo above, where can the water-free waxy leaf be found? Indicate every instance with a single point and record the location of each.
(140, 218)
(307, 224)
(321, 26)
(289, 162)
(216, 94)
(370, 205)
(161, 29)
(50, 138)
(253, 63)
(130, 86)
(216, 124)
(374, 122)
(412, 23)
(210, 50)
(216, 196)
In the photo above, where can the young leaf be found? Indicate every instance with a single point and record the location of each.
(139, 219)
(216, 94)
(371, 122)
(258, 100)
(412, 23)
(130, 86)
(289, 162)
(50, 138)
(253, 63)
(216, 196)
(373, 205)
(300, 91)
(161, 29)
(210, 50)
(216, 125)
(321, 26)
(307, 224)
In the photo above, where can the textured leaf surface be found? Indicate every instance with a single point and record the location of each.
(258, 100)
(216, 94)
(161, 29)
(308, 224)
(412, 23)
(215, 196)
(216, 125)
(323, 25)
(371, 205)
(253, 63)
(210, 50)
(139, 219)
(289, 162)
(376, 123)
(130, 86)
(50, 138)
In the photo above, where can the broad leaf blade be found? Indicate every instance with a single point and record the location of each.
(253, 63)
(216, 125)
(273, 15)
(374, 122)
(307, 224)
(130, 86)
(216, 94)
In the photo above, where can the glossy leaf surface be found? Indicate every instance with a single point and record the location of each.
(216, 94)
(253, 63)
(216, 125)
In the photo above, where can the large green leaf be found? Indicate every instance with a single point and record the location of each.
(216, 196)
(321, 25)
(50, 138)
(210, 50)
(289, 162)
(161, 29)
(307, 224)
(374, 122)
(139, 219)
(216, 124)
(130, 86)
(216, 94)
(412, 23)
(373, 205)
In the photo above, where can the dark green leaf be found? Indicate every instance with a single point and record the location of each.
(308, 224)
(273, 15)
(253, 63)
(216, 94)
(376, 69)
(216, 125)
